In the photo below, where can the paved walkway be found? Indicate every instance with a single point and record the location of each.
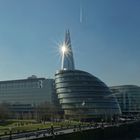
(53, 131)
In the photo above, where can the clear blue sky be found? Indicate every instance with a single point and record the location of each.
(106, 42)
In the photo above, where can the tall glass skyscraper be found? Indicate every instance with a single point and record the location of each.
(67, 54)
(81, 94)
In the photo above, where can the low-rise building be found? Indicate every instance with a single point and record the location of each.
(128, 97)
(24, 95)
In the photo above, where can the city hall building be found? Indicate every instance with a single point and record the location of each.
(81, 94)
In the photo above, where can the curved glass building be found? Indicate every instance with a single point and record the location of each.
(128, 97)
(80, 93)
(84, 95)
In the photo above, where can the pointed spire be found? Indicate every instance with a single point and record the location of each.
(67, 38)
(67, 58)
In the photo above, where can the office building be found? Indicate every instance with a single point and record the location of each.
(67, 54)
(24, 95)
(128, 97)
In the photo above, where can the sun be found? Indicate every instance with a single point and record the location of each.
(64, 48)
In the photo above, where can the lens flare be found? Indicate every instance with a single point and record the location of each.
(64, 48)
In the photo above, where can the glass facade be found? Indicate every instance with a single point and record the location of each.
(82, 94)
(128, 97)
(25, 94)
(27, 91)
(67, 55)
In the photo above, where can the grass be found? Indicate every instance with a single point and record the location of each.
(29, 125)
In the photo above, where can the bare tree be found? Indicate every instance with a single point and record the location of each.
(4, 111)
(46, 112)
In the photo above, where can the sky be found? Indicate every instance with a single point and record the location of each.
(105, 37)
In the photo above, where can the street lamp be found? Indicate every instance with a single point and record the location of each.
(10, 129)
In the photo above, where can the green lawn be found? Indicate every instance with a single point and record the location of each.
(28, 125)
